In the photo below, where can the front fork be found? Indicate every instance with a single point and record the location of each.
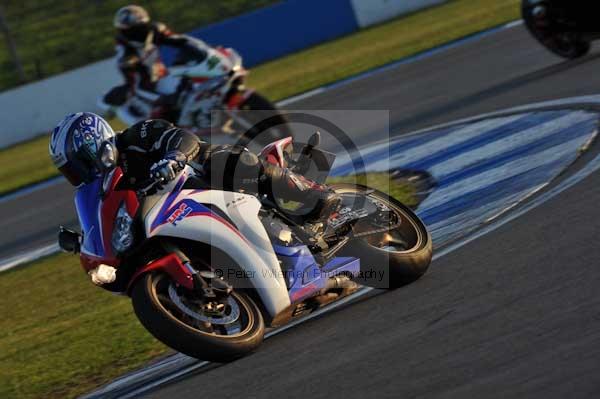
(206, 284)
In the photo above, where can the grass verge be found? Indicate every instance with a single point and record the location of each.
(28, 163)
(380, 45)
(60, 336)
(316, 66)
(65, 33)
(383, 182)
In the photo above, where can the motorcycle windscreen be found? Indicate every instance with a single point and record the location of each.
(319, 163)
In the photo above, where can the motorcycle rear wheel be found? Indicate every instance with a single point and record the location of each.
(266, 123)
(175, 319)
(394, 257)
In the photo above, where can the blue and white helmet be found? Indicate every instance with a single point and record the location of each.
(75, 143)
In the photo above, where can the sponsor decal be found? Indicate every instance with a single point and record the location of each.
(237, 201)
(87, 121)
(144, 130)
(346, 215)
(212, 62)
(179, 214)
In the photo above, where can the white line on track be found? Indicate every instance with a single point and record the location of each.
(404, 157)
(31, 189)
(506, 144)
(28, 256)
(592, 167)
(505, 171)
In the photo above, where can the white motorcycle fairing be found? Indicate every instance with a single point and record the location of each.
(225, 220)
(218, 62)
(211, 80)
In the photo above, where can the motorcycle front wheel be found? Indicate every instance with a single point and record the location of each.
(569, 45)
(185, 323)
(393, 244)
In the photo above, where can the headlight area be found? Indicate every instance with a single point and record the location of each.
(123, 235)
(103, 274)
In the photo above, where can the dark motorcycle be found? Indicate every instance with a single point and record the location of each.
(565, 27)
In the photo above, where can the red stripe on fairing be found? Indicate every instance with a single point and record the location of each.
(109, 208)
(89, 262)
(223, 51)
(172, 265)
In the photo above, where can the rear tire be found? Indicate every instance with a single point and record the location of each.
(171, 329)
(389, 268)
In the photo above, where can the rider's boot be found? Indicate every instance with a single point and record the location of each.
(317, 201)
(236, 168)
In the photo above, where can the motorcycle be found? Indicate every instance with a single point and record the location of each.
(208, 270)
(205, 92)
(564, 27)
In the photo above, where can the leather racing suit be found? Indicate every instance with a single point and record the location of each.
(225, 167)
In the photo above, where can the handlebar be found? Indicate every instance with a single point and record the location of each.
(155, 182)
(149, 185)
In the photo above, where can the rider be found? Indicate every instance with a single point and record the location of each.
(138, 57)
(157, 149)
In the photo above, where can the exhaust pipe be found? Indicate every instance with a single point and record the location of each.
(340, 282)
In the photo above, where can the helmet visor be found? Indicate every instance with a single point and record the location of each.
(88, 138)
(137, 33)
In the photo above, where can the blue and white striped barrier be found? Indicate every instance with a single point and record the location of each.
(483, 168)
(293, 25)
(371, 12)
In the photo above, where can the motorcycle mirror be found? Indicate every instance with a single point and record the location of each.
(69, 240)
(107, 156)
(315, 139)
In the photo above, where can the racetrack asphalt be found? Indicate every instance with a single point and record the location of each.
(512, 314)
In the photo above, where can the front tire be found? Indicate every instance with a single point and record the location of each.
(393, 257)
(568, 48)
(567, 45)
(164, 311)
